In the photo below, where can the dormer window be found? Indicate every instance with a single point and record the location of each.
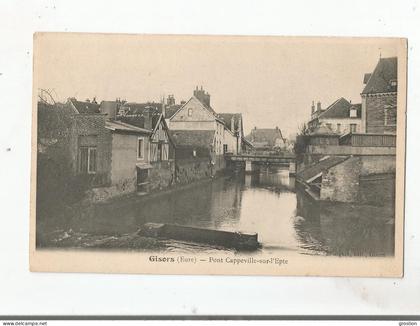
(353, 113)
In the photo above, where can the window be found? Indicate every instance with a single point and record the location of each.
(338, 127)
(190, 112)
(353, 113)
(353, 127)
(390, 116)
(194, 153)
(140, 148)
(393, 82)
(225, 148)
(87, 160)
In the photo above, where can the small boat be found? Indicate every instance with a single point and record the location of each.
(227, 239)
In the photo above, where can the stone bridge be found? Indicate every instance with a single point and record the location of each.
(254, 160)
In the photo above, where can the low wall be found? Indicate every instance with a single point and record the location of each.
(161, 175)
(192, 169)
(123, 187)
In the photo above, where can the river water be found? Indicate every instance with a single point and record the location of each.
(269, 203)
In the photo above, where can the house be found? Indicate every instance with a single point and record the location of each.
(267, 139)
(340, 117)
(114, 157)
(197, 114)
(156, 169)
(233, 135)
(379, 98)
(83, 107)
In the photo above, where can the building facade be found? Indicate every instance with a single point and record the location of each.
(264, 139)
(197, 114)
(340, 117)
(119, 157)
(379, 98)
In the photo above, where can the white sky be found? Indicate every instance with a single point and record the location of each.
(270, 80)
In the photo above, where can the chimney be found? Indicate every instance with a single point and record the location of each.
(202, 96)
(318, 107)
(164, 107)
(110, 109)
(171, 100)
(232, 124)
(148, 123)
(313, 108)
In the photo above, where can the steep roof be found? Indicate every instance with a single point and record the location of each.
(208, 107)
(138, 112)
(125, 127)
(264, 136)
(324, 164)
(380, 80)
(109, 104)
(192, 138)
(171, 110)
(85, 107)
(227, 118)
(138, 108)
(340, 109)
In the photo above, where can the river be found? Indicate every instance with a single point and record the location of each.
(269, 203)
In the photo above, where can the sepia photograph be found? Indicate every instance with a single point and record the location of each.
(253, 155)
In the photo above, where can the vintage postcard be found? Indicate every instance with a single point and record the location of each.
(235, 155)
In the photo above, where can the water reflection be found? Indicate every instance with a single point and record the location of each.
(268, 203)
(342, 229)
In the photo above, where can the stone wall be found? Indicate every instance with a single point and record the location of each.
(161, 175)
(341, 182)
(192, 169)
(378, 189)
(360, 179)
(375, 117)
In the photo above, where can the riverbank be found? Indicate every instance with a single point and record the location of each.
(285, 218)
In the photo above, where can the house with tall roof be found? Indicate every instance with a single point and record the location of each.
(379, 98)
(234, 139)
(267, 139)
(341, 117)
(150, 117)
(198, 114)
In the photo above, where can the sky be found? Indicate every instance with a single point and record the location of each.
(272, 81)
